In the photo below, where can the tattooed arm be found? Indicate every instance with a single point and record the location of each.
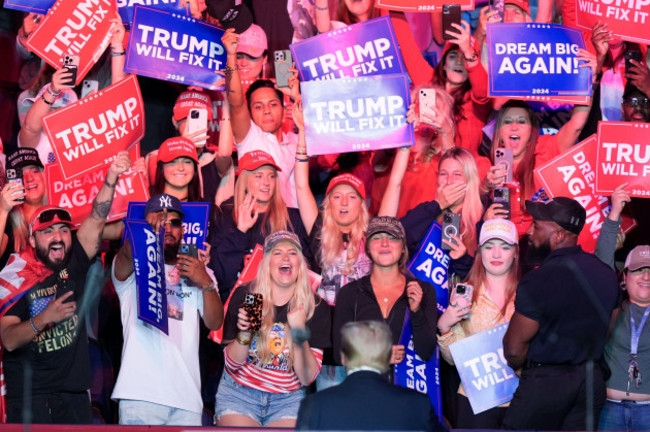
(90, 232)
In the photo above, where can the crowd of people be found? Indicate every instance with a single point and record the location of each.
(313, 339)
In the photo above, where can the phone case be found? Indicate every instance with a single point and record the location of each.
(504, 158)
(253, 307)
(427, 101)
(282, 62)
(197, 120)
(450, 14)
(499, 6)
(450, 226)
(71, 63)
(89, 87)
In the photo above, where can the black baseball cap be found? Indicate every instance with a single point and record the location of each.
(231, 14)
(566, 212)
(23, 157)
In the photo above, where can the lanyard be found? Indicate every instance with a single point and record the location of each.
(634, 333)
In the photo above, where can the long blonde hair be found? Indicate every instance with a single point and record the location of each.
(277, 214)
(472, 209)
(446, 102)
(332, 240)
(302, 295)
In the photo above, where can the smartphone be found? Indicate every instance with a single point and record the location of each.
(89, 87)
(189, 249)
(253, 307)
(282, 61)
(632, 55)
(71, 63)
(16, 176)
(196, 121)
(427, 100)
(499, 6)
(504, 158)
(450, 226)
(450, 15)
(462, 293)
(501, 195)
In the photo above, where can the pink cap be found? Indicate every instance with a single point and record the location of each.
(253, 41)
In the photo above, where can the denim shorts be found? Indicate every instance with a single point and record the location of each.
(263, 407)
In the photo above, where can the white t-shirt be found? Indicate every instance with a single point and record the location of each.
(283, 153)
(156, 367)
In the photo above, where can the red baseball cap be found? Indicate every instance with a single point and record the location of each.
(253, 160)
(189, 100)
(522, 4)
(49, 215)
(350, 180)
(176, 147)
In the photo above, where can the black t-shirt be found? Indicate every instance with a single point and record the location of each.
(319, 324)
(58, 355)
(572, 296)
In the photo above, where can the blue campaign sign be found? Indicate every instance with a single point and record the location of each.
(486, 377)
(433, 264)
(363, 49)
(149, 268)
(357, 114)
(173, 47)
(37, 6)
(417, 374)
(195, 222)
(126, 8)
(536, 60)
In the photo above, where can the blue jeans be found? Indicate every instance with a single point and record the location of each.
(135, 412)
(624, 416)
(262, 406)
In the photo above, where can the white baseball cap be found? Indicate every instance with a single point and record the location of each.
(501, 229)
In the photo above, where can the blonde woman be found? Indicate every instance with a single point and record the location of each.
(256, 210)
(265, 370)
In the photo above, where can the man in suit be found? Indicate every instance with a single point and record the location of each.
(366, 400)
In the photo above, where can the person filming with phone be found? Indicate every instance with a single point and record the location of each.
(486, 300)
(159, 381)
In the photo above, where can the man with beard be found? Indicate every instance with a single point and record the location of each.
(46, 361)
(159, 381)
(558, 331)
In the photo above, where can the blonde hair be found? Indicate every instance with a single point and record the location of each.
(332, 239)
(447, 101)
(277, 215)
(472, 208)
(302, 295)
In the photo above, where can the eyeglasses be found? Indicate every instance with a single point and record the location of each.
(175, 223)
(242, 56)
(50, 214)
(636, 102)
(641, 271)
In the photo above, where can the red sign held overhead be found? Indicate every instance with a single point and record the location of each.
(421, 5)
(74, 27)
(630, 19)
(77, 195)
(87, 134)
(623, 156)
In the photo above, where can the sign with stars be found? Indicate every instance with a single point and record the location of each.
(537, 62)
(174, 47)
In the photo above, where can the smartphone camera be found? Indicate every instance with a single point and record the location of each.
(450, 228)
(185, 249)
(279, 56)
(194, 114)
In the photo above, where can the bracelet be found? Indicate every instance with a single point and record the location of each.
(321, 8)
(473, 58)
(228, 70)
(46, 101)
(300, 335)
(112, 186)
(244, 338)
(117, 54)
(31, 323)
(302, 160)
(51, 92)
(208, 288)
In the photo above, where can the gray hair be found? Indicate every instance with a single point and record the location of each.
(366, 343)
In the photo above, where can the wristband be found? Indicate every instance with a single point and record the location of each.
(117, 54)
(228, 70)
(208, 288)
(302, 160)
(112, 186)
(46, 101)
(473, 58)
(321, 8)
(51, 92)
(31, 323)
(300, 335)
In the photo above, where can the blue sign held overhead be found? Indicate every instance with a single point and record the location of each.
(127, 8)
(37, 6)
(195, 222)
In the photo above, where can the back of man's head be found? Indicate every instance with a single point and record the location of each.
(366, 343)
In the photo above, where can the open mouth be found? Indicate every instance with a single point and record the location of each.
(57, 250)
(285, 269)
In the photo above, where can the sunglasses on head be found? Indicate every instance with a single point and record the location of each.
(49, 215)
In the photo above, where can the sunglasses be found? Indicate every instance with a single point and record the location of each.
(175, 223)
(636, 102)
(50, 214)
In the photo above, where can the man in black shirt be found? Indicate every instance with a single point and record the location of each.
(46, 361)
(558, 331)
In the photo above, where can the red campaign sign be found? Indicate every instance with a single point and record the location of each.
(421, 5)
(77, 195)
(88, 133)
(74, 27)
(572, 174)
(623, 156)
(627, 19)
